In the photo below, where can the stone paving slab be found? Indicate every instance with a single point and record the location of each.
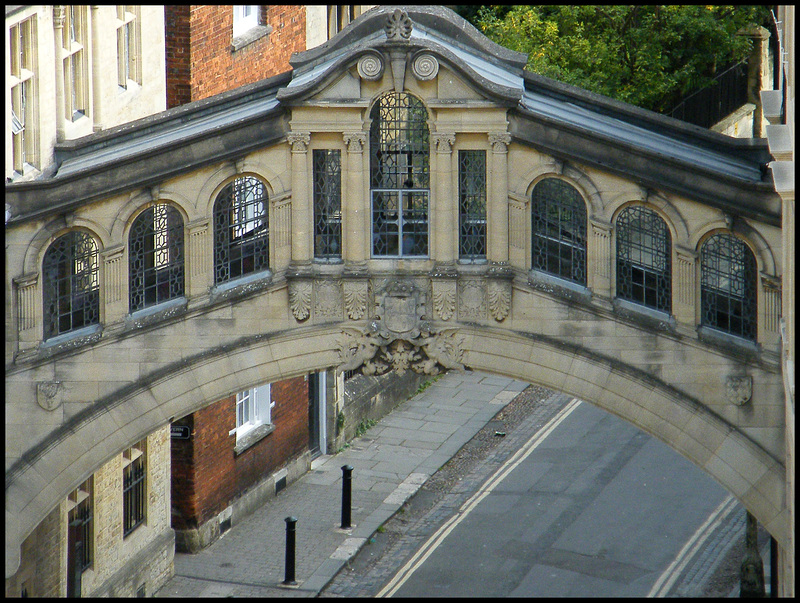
(391, 461)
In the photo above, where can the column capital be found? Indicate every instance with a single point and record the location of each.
(499, 141)
(299, 141)
(355, 141)
(444, 142)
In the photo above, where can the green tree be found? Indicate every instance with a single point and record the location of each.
(650, 56)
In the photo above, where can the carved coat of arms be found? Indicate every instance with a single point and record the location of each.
(400, 337)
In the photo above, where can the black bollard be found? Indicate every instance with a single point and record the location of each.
(290, 531)
(347, 485)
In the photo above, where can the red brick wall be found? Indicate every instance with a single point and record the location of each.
(176, 24)
(217, 68)
(206, 474)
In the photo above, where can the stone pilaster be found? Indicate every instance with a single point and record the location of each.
(518, 232)
(356, 210)
(59, 15)
(771, 303)
(28, 310)
(301, 202)
(200, 262)
(684, 286)
(444, 210)
(600, 253)
(115, 283)
(497, 206)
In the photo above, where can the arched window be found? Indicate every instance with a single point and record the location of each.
(241, 229)
(70, 284)
(156, 257)
(728, 286)
(399, 176)
(644, 258)
(558, 215)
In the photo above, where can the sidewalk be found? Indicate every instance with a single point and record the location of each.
(390, 462)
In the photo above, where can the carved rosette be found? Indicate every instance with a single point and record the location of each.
(400, 337)
(424, 66)
(328, 300)
(739, 389)
(300, 299)
(370, 66)
(471, 299)
(499, 297)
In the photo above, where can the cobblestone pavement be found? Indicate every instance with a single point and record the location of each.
(712, 571)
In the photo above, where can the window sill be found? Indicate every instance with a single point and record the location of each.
(241, 286)
(726, 340)
(654, 319)
(157, 313)
(71, 340)
(559, 286)
(250, 36)
(252, 437)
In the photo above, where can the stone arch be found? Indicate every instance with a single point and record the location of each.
(45, 236)
(765, 257)
(137, 204)
(679, 229)
(227, 172)
(47, 473)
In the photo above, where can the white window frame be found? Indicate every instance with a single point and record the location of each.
(253, 408)
(128, 46)
(74, 37)
(22, 87)
(245, 18)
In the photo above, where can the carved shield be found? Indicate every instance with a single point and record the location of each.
(400, 313)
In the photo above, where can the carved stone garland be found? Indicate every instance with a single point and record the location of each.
(400, 337)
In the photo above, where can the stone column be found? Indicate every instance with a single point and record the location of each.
(355, 209)
(444, 201)
(497, 205)
(58, 29)
(684, 287)
(302, 216)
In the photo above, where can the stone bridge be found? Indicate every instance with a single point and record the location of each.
(534, 231)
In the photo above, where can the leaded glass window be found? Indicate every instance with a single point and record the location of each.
(156, 257)
(241, 229)
(327, 203)
(399, 176)
(728, 286)
(70, 284)
(644, 258)
(472, 205)
(558, 214)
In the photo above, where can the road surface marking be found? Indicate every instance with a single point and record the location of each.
(698, 539)
(434, 541)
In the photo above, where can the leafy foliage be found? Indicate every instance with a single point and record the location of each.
(650, 56)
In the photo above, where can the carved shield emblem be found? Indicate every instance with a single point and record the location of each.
(740, 389)
(400, 313)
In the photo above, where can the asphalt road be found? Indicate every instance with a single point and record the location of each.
(598, 508)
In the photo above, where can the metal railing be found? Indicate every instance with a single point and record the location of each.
(716, 101)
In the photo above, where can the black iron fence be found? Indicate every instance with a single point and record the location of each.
(716, 101)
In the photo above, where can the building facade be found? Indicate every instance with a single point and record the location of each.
(75, 70)
(396, 202)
